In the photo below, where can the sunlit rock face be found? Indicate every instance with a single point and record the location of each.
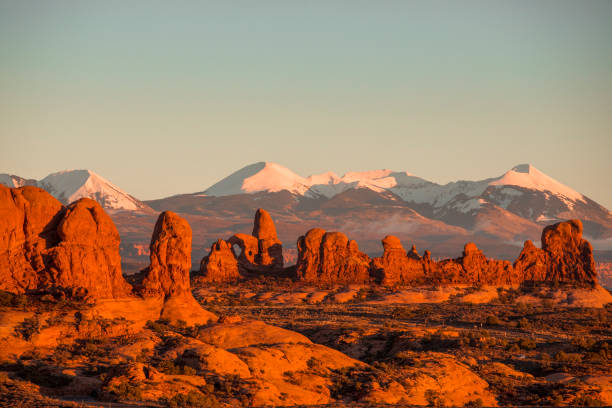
(261, 252)
(44, 245)
(330, 258)
(565, 256)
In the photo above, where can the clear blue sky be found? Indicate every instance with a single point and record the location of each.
(164, 97)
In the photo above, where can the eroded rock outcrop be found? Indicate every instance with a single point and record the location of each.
(474, 268)
(330, 258)
(565, 256)
(168, 274)
(396, 266)
(44, 245)
(261, 252)
(87, 255)
(221, 264)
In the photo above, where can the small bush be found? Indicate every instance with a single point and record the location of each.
(193, 399)
(493, 321)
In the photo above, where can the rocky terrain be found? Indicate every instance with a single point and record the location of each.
(338, 328)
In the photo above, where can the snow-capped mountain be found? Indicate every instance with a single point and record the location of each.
(11, 180)
(524, 191)
(70, 185)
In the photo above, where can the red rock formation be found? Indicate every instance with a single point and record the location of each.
(395, 266)
(261, 252)
(45, 245)
(330, 258)
(565, 256)
(248, 249)
(88, 254)
(270, 248)
(28, 222)
(168, 274)
(220, 265)
(170, 256)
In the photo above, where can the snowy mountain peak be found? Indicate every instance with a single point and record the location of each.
(70, 185)
(527, 176)
(261, 176)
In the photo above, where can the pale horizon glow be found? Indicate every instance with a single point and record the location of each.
(163, 98)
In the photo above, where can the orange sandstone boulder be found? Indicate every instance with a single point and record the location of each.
(220, 265)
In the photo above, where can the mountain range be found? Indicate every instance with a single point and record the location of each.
(497, 213)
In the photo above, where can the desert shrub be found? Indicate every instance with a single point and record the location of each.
(126, 391)
(171, 368)
(493, 321)
(526, 344)
(567, 357)
(42, 375)
(193, 399)
(8, 299)
(434, 399)
(477, 403)
(588, 401)
(28, 327)
(524, 323)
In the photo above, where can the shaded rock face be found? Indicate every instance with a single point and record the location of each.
(44, 244)
(330, 258)
(261, 252)
(396, 266)
(565, 256)
(220, 265)
(170, 247)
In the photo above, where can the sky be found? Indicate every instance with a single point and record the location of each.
(166, 97)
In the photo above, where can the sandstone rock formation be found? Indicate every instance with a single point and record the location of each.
(565, 256)
(330, 258)
(87, 255)
(45, 245)
(261, 252)
(396, 266)
(220, 265)
(474, 268)
(168, 274)
(170, 256)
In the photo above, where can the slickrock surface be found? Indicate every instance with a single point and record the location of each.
(220, 265)
(330, 258)
(45, 245)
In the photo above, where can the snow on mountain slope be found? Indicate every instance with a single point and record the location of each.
(527, 176)
(262, 176)
(10, 180)
(70, 185)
